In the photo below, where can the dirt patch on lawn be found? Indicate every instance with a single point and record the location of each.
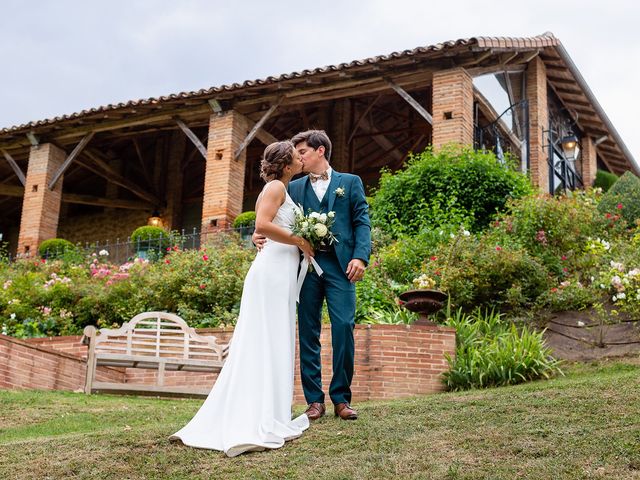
(578, 336)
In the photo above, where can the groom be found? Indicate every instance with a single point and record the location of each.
(343, 264)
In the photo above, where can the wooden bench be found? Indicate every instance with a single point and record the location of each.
(153, 340)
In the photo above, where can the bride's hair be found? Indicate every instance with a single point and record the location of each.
(276, 156)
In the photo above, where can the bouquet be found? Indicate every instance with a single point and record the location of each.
(314, 227)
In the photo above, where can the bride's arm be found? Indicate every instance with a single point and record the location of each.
(271, 200)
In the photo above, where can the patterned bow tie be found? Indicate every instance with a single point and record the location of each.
(323, 176)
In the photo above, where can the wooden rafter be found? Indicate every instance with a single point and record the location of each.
(143, 165)
(256, 127)
(362, 117)
(14, 166)
(111, 175)
(76, 151)
(411, 101)
(192, 136)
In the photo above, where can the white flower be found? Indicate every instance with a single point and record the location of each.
(323, 218)
(5, 330)
(315, 215)
(580, 323)
(103, 253)
(331, 214)
(614, 298)
(617, 265)
(320, 229)
(466, 233)
(593, 279)
(602, 286)
(304, 225)
(339, 191)
(12, 316)
(622, 296)
(452, 235)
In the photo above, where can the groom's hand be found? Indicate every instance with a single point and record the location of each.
(355, 270)
(258, 240)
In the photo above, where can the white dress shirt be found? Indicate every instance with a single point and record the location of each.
(320, 186)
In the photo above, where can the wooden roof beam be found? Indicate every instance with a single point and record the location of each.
(192, 136)
(14, 166)
(76, 151)
(256, 127)
(411, 101)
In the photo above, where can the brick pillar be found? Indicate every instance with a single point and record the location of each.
(224, 175)
(40, 206)
(588, 160)
(538, 121)
(452, 108)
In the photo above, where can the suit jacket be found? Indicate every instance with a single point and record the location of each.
(351, 226)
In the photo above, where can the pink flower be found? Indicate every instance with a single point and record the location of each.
(202, 286)
(205, 257)
(564, 257)
(434, 258)
(608, 215)
(565, 269)
(168, 249)
(619, 206)
(554, 290)
(498, 248)
(167, 261)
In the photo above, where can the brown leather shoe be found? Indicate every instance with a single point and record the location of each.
(315, 410)
(345, 412)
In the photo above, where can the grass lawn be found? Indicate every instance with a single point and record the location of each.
(585, 425)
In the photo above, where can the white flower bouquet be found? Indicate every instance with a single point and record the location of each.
(314, 227)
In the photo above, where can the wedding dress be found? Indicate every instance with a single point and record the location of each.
(249, 407)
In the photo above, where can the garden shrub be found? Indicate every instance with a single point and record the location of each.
(375, 293)
(552, 229)
(604, 180)
(151, 238)
(569, 294)
(245, 219)
(491, 352)
(623, 198)
(476, 272)
(54, 247)
(455, 185)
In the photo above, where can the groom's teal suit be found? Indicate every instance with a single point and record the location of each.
(353, 231)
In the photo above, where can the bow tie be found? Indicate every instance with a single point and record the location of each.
(323, 176)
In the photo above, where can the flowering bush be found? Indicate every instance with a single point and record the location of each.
(569, 294)
(59, 297)
(623, 198)
(622, 285)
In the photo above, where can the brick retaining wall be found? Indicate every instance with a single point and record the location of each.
(392, 361)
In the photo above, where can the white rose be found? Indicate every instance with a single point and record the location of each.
(320, 229)
(103, 253)
(331, 214)
(315, 215)
(323, 218)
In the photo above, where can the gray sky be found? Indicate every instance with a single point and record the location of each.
(62, 56)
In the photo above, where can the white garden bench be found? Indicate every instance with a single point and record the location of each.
(153, 340)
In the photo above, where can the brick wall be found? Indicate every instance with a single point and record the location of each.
(392, 361)
(108, 226)
(27, 365)
(452, 108)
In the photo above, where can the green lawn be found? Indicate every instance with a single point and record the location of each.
(585, 425)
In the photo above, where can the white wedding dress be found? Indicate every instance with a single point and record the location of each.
(249, 407)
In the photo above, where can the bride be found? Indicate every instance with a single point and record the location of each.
(249, 407)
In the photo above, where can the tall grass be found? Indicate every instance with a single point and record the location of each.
(492, 352)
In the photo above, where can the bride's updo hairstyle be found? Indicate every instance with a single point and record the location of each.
(276, 156)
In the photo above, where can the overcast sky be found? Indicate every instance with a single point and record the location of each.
(62, 56)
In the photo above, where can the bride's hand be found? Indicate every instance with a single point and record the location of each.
(306, 248)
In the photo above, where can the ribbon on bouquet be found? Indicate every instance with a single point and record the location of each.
(304, 268)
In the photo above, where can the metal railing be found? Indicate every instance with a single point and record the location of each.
(151, 248)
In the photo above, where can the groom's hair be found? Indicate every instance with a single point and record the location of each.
(315, 139)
